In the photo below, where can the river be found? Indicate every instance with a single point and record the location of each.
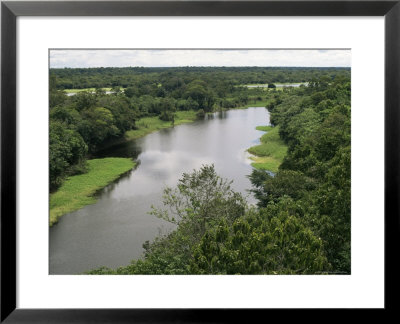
(111, 232)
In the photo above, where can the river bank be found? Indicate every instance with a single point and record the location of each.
(147, 125)
(254, 103)
(112, 231)
(79, 190)
(270, 153)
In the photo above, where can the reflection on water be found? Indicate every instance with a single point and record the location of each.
(112, 231)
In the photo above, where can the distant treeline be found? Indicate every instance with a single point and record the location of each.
(81, 78)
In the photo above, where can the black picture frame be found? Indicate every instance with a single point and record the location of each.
(10, 10)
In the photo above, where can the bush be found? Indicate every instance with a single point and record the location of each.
(167, 116)
(200, 113)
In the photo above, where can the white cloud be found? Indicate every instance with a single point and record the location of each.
(219, 57)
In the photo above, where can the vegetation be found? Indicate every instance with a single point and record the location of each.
(85, 90)
(301, 224)
(314, 122)
(219, 234)
(147, 125)
(127, 77)
(79, 190)
(271, 152)
(82, 123)
(264, 128)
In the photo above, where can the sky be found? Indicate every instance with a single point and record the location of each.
(219, 57)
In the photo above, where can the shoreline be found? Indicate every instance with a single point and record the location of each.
(66, 199)
(269, 154)
(80, 190)
(148, 125)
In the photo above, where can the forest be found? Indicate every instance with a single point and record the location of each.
(301, 223)
(82, 123)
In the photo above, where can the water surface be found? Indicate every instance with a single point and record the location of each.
(111, 232)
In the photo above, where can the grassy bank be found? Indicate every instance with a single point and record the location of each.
(148, 125)
(270, 153)
(257, 103)
(78, 191)
(83, 90)
(88, 90)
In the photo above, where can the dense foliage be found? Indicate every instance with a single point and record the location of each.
(80, 124)
(315, 123)
(302, 222)
(141, 79)
(218, 233)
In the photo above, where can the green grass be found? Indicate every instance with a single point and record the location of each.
(265, 163)
(148, 125)
(270, 153)
(281, 84)
(254, 84)
(276, 83)
(78, 191)
(264, 128)
(86, 89)
(258, 103)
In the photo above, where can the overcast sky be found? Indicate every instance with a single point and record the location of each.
(162, 58)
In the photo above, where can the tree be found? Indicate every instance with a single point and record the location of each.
(289, 183)
(198, 91)
(272, 241)
(97, 125)
(201, 199)
(65, 114)
(116, 90)
(130, 92)
(84, 100)
(66, 148)
(123, 114)
(333, 199)
(100, 92)
(56, 97)
(200, 114)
